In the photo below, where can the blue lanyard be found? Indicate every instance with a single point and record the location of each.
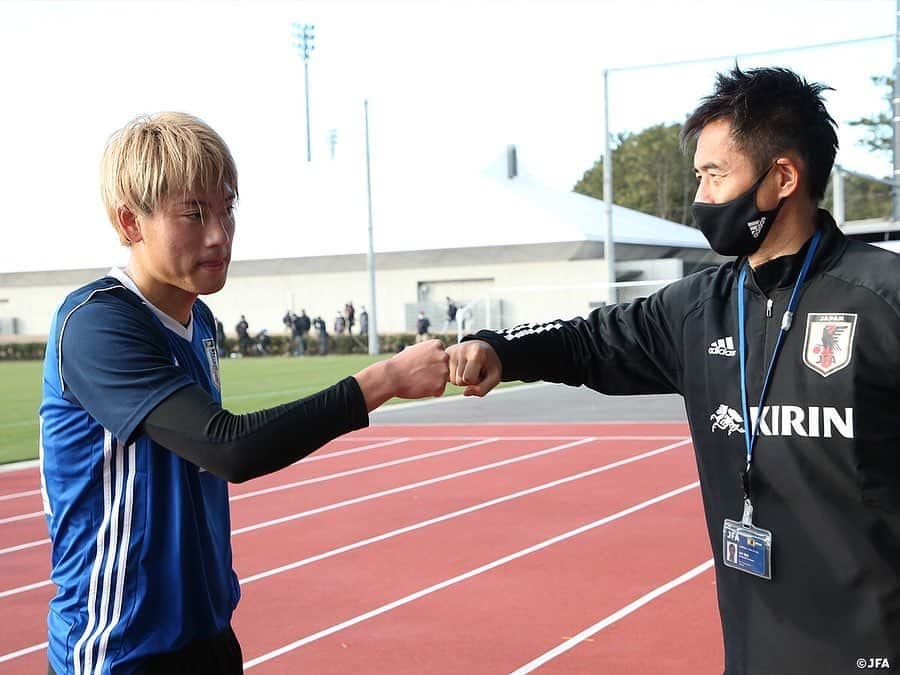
(751, 436)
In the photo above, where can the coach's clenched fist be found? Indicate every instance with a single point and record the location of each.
(474, 365)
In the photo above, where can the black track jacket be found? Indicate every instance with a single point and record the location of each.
(826, 466)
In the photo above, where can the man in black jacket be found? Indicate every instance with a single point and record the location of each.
(788, 359)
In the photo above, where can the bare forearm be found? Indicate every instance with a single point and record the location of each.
(376, 384)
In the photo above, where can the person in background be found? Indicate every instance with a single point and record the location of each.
(290, 321)
(450, 316)
(363, 321)
(303, 324)
(465, 319)
(243, 335)
(350, 314)
(220, 338)
(422, 326)
(322, 335)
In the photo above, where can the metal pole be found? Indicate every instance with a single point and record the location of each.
(305, 34)
(609, 246)
(306, 87)
(370, 257)
(895, 211)
(840, 210)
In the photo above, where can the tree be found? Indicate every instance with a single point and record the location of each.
(651, 174)
(878, 127)
(864, 198)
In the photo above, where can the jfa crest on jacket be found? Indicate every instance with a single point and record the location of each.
(828, 346)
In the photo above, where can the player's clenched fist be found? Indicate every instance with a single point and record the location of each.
(420, 370)
(416, 372)
(474, 365)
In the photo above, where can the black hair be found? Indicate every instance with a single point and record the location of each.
(772, 111)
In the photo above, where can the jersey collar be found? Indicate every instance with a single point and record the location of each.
(186, 332)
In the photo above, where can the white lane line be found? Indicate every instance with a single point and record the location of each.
(612, 618)
(403, 488)
(362, 469)
(408, 486)
(399, 531)
(318, 457)
(301, 391)
(23, 589)
(529, 437)
(19, 466)
(17, 495)
(286, 486)
(31, 464)
(23, 516)
(456, 514)
(465, 576)
(22, 547)
(23, 652)
(453, 398)
(34, 463)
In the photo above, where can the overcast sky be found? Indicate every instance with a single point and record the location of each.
(449, 85)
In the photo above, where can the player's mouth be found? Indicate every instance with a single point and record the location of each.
(214, 265)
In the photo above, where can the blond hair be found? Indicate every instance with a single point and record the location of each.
(156, 156)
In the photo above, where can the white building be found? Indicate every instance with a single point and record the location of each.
(507, 246)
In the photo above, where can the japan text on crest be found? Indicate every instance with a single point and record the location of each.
(828, 345)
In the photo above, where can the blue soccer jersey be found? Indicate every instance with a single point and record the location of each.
(141, 538)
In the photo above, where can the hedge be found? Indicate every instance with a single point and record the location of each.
(22, 351)
(337, 344)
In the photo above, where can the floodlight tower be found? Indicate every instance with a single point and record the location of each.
(332, 136)
(305, 35)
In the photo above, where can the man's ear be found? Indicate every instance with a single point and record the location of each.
(787, 170)
(128, 222)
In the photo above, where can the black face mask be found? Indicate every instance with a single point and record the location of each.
(736, 227)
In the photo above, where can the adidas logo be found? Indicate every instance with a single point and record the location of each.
(756, 226)
(722, 347)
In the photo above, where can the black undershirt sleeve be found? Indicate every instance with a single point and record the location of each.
(240, 447)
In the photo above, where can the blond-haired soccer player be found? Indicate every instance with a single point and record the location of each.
(136, 448)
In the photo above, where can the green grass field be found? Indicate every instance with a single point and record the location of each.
(249, 384)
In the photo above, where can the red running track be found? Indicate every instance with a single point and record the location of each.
(446, 549)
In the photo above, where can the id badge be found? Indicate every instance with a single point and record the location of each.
(747, 548)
